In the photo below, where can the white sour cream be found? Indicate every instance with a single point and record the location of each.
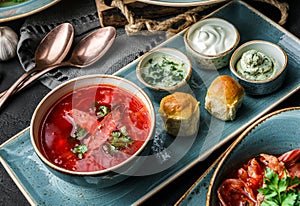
(212, 39)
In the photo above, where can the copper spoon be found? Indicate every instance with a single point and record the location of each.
(86, 52)
(52, 50)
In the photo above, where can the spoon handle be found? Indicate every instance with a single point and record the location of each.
(31, 79)
(10, 91)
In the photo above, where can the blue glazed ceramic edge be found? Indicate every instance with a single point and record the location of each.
(11, 172)
(199, 188)
(192, 163)
(197, 192)
(24, 9)
(250, 132)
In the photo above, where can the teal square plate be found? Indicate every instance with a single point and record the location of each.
(170, 157)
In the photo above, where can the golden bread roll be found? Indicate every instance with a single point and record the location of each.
(180, 113)
(224, 97)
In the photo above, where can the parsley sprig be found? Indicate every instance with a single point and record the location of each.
(280, 191)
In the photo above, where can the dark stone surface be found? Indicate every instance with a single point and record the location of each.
(16, 116)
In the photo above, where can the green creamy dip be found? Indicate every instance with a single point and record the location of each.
(163, 70)
(255, 65)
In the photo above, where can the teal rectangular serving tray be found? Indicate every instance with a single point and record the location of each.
(171, 157)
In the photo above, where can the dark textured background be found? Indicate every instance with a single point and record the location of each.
(16, 115)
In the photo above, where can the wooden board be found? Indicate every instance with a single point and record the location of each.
(110, 16)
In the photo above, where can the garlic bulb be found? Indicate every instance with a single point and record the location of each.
(8, 43)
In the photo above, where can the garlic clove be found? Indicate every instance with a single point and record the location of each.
(8, 43)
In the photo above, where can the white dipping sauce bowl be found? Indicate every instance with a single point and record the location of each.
(216, 41)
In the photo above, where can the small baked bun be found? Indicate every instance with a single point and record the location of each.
(180, 113)
(224, 97)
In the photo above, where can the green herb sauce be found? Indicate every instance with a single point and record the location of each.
(255, 65)
(164, 71)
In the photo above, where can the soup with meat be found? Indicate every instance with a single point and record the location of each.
(94, 128)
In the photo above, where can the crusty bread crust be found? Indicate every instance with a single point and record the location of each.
(224, 97)
(180, 113)
(179, 105)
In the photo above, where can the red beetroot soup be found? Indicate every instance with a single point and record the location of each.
(94, 128)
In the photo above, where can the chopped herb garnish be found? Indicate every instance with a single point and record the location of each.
(173, 68)
(116, 134)
(150, 80)
(177, 78)
(79, 150)
(79, 133)
(122, 142)
(109, 149)
(156, 75)
(102, 111)
(166, 61)
(156, 67)
(99, 110)
(280, 191)
(118, 140)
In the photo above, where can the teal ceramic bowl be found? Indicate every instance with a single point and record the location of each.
(99, 178)
(275, 134)
(266, 86)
